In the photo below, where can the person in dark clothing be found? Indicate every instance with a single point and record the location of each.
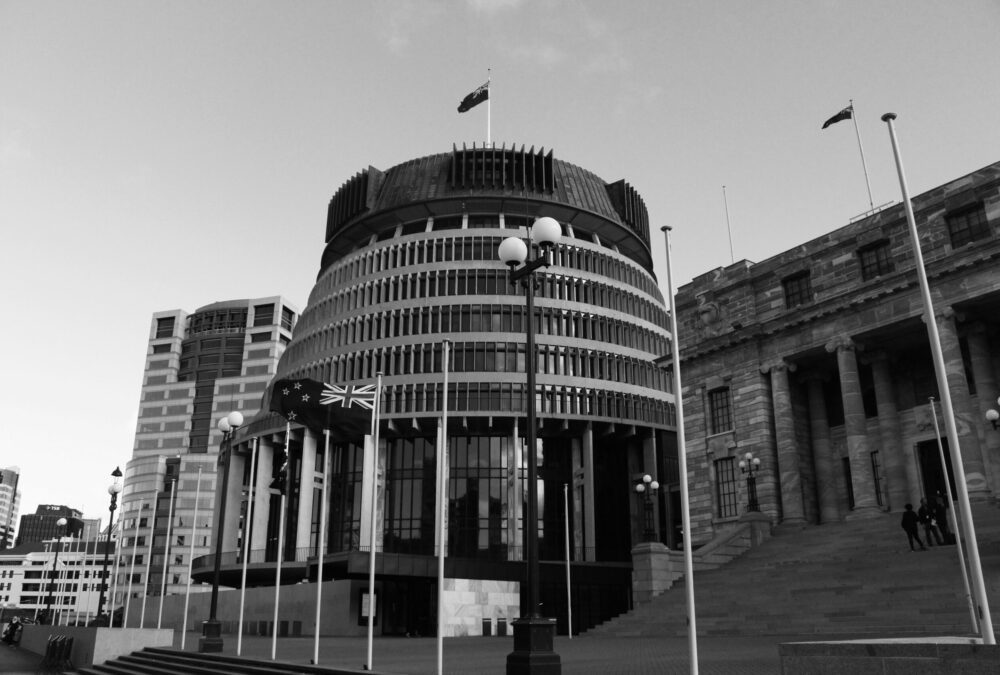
(926, 516)
(939, 507)
(910, 525)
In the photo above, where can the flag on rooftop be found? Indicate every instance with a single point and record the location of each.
(845, 114)
(475, 98)
(346, 410)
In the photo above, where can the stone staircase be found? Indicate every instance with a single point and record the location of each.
(158, 661)
(854, 578)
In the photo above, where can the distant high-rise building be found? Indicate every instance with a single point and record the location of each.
(43, 524)
(199, 367)
(10, 502)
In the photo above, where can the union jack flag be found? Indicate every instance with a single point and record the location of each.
(351, 395)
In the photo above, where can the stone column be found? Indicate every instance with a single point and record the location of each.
(589, 533)
(790, 476)
(966, 421)
(859, 452)
(262, 498)
(819, 426)
(889, 430)
(303, 533)
(233, 497)
(986, 391)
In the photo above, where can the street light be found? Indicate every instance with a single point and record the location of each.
(211, 630)
(61, 523)
(993, 416)
(647, 488)
(533, 635)
(114, 489)
(748, 465)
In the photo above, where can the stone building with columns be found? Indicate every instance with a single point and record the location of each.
(817, 361)
(411, 261)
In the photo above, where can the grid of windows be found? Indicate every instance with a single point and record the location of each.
(720, 411)
(726, 493)
(263, 315)
(875, 260)
(798, 289)
(165, 327)
(968, 226)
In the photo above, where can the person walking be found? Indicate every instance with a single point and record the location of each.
(910, 523)
(926, 516)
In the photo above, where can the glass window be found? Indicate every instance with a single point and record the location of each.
(165, 327)
(875, 260)
(798, 289)
(720, 413)
(726, 487)
(263, 315)
(968, 226)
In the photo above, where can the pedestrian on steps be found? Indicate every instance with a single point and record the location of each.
(910, 524)
(926, 515)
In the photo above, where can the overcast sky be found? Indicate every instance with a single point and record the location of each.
(166, 155)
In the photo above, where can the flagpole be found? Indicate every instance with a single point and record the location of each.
(864, 164)
(131, 569)
(281, 541)
(114, 584)
(958, 537)
(371, 518)
(442, 500)
(248, 532)
(985, 620)
(729, 227)
(322, 540)
(682, 466)
(149, 561)
(569, 594)
(489, 104)
(194, 524)
(166, 550)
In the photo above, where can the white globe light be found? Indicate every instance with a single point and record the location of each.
(114, 488)
(546, 231)
(647, 478)
(224, 425)
(992, 415)
(655, 485)
(512, 251)
(640, 488)
(235, 419)
(61, 522)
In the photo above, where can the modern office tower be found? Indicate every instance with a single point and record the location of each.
(10, 503)
(818, 362)
(411, 261)
(43, 524)
(199, 367)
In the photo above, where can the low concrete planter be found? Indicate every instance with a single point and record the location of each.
(96, 645)
(904, 655)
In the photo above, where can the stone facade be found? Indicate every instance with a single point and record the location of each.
(818, 362)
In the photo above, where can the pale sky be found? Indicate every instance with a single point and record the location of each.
(166, 155)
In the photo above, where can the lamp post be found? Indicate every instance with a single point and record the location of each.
(61, 523)
(993, 416)
(113, 490)
(533, 635)
(749, 465)
(647, 488)
(211, 630)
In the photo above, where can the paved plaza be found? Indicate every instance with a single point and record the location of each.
(487, 656)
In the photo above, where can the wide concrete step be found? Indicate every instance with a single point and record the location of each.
(158, 661)
(841, 578)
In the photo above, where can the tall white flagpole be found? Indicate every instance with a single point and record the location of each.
(131, 569)
(322, 540)
(247, 534)
(864, 164)
(569, 594)
(194, 525)
(729, 227)
(954, 528)
(114, 583)
(985, 621)
(371, 519)
(682, 465)
(442, 506)
(166, 550)
(489, 103)
(149, 560)
(281, 539)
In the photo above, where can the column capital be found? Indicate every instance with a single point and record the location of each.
(843, 343)
(778, 365)
(947, 312)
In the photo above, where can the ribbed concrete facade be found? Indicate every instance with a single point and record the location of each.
(411, 262)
